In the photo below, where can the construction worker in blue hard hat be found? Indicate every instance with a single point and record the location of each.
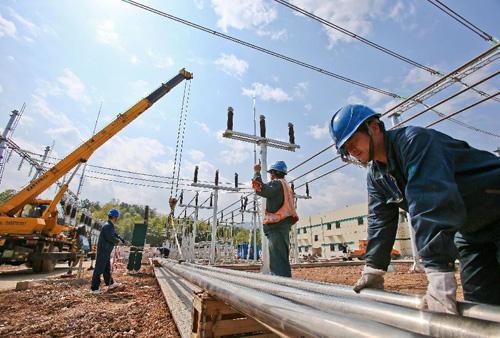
(108, 238)
(452, 192)
(280, 215)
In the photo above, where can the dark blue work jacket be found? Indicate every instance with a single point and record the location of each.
(107, 239)
(445, 185)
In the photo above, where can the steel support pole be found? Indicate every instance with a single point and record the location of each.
(265, 245)
(284, 317)
(213, 242)
(420, 322)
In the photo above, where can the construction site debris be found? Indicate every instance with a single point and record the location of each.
(65, 308)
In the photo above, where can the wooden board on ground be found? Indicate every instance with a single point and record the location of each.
(213, 318)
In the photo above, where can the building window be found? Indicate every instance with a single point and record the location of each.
(328, 226)
(305, 230)
(360, 221)
(337, 225)
(306, 249)
(315, 238)
(332, 247)
(300, 249)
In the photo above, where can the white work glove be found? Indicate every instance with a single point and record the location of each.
(371, 278)
(441, 292)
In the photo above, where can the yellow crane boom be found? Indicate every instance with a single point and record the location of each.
(83, 152)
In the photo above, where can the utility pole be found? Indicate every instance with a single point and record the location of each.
(215, 187)
(295, 243)
(417, 266)
(44, 159)
(196, 206)
(7, 133)
(264, 143)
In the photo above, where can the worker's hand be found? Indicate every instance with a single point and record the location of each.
(257, 167)
(371, 278)
(441, 292)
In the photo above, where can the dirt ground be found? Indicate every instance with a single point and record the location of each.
(402, 280)
(64, 308)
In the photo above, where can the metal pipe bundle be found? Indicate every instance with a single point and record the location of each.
(426, 323)
(466, 309)
(282, 316)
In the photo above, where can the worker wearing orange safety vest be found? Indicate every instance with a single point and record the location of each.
(280, 215)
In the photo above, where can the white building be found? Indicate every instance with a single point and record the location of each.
(321, 234)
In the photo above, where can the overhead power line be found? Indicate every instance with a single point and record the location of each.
(372, 44)
(284, 57)
(463, 21)
(263, 50)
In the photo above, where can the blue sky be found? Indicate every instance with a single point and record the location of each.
(63, 58)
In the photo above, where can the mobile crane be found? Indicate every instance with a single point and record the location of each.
(30, 230)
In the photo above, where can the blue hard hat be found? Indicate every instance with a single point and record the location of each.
(113, 213)
(278, 166)
(347, 120)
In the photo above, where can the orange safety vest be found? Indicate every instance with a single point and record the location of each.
(288, 208)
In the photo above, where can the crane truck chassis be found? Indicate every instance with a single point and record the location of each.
(30, 230)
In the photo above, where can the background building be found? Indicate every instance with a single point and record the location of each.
(325, 234)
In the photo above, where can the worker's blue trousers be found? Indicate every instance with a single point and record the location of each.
(480, 264)
(278, 236)
(102, 267)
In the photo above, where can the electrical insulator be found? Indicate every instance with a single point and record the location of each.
(241, 204)
(181, 197)
(242, 217)
(291, 133)
(221, 216)
(245, 203)
(236, 180)
(217, 177)
(185, 214)
(307, 189)
(211, 199)
(196, 174)
(262, 126)
(232, 217)
(196, 199)
(293, 187)
(230, 118)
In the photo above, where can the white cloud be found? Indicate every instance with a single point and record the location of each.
(334, 191)
(318, 132)
(106, 33)
(159, 61)
(274, 35)
(196, 155)
(356, 19)
(74, 87)
(30, 26)
(199, 4)
(11, 58)
(308, 106)
(300, 89)
(7, 28)
(134, 60)
(231, 65)
(418, 76)
(203, 126)
(61, 121)
(266, 93)
(243, 14)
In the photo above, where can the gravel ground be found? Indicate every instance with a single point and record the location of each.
(402, 280)
(65, 308)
